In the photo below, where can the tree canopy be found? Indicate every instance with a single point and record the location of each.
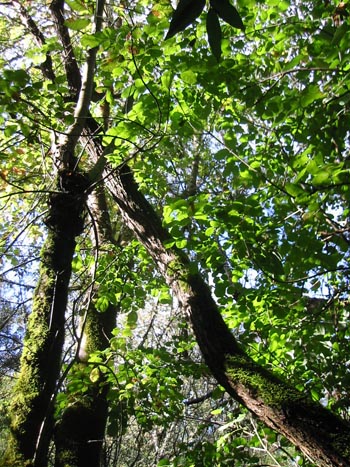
(174, 233)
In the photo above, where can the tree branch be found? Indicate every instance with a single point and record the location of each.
(70, 63)
(46, 67)
(65, 151)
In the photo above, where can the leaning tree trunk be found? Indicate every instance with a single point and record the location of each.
(31, 406)
(318, 433)
(79, 434)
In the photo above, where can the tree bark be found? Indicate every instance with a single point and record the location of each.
(31, 425)
(79, 434)
(316, 431)
(31, 406)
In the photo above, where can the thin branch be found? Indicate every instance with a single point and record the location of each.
(198, 400)
(19, 284)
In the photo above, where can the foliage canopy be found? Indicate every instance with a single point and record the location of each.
(234, 120)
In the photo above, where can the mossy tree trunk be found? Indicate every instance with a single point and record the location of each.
(31, 425)
(79, 434)
(31, 406)
(317, 432)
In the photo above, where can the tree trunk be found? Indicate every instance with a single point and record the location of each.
(318, 433)
(31, 406)
(79, 434)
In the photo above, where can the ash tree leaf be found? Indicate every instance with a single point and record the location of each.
(214, 33)
(228, 13)
(184, 15)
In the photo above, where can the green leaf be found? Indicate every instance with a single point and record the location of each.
(228, 13)
(163, 462)
(336, 346)
(186, 13)
(10, 130)
(76, 5)
(310, 94)
(214, 33)
(270, 263)
(218, 393)
(102, 304)
(17, 76)
(132, 319)
(91, 40)
(294, 190)
(94, 375)
(189, 77)
(315, 395)
(77, 24)
(340, 33)
(322, 178)
(181, 243)
(38, 58)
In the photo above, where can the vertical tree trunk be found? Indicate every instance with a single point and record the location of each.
(79, 434)
(31, 406)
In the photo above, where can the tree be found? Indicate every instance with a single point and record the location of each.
(225, 164)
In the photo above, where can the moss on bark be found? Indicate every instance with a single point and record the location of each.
(41, 357)
(319, 433)
(79, 433)
(31, 406)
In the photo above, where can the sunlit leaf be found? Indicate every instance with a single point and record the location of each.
(94, 375)
(102, 303)
(77, 24)
(90, 40)
(76, 5)
(310, 94)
